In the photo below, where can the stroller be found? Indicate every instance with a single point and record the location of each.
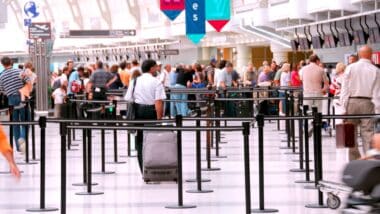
(362, 181)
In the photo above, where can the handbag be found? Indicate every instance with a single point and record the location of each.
(345, 135)
(130, 112)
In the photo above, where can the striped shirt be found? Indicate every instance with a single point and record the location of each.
(10, 81)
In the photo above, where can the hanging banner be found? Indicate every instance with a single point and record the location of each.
(172, 8)
(195, 20)
(218, 13)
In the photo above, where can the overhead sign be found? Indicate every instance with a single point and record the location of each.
(169, 52)
(31, 10)
(40, 30)
(102, 33)
(172, 8)
(195, 20)
(218, 13)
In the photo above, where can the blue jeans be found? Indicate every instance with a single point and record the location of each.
(181, 107)
(173, 111)
(18, 116)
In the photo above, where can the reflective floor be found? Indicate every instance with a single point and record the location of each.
(125, 191)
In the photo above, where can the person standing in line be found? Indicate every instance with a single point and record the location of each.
(184, 80)
(173, 80)
(148, 94)
(360, 94)
(164, 78)
(11, 83)
(352, 59)
(100, 80)
(250, 76)
(59, 96)
(125, 76)
(210, 72)
(315, 82)
(284, 82)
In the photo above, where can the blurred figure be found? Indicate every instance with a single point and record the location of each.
(284, 82)
(352, 59)
(295, 76)
(250, 76)
(210, 72)
(117, 84)
(124, 73)
(7, 152)
(100, 80)
(59, 96)
(360, 94)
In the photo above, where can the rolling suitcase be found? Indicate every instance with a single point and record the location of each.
(160, 156)
(345, 135)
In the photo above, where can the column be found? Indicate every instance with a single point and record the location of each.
(280, 53)
(243, 57)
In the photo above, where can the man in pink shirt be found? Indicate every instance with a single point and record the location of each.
(315, 82)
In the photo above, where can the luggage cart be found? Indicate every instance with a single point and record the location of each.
(333, 190)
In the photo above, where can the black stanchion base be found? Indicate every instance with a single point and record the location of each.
(291, 153)
(84, 184)
(89, 193)
(27, 163)
(312, 187)
(285, 147)
(199, 191)
(126, 156)
(72, 150)
(223, 142)
(220, 156)
(36, 159)
(212, 147)
(103, 173)
(264, 211)
(211, 169)
(316, 206)
(74, 145)
(299, 161)
(8, 173)
(304, 182)
(195, 180)
(300, 170)
(37, 210)
(212, 160)
(180, 207)
(118, 162)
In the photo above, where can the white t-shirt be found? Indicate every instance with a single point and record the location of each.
(218, 77)
(148, 90)
(285, 79)
(59, 96)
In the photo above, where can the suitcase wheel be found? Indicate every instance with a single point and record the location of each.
(333, 201)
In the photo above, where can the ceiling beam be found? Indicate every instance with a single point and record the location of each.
(105, 12)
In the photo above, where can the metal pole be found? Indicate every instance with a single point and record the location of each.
(42, 208)
(198, 161)
(261, 209)
(247, 171)
(180, 204)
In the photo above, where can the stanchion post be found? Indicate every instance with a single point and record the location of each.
(247, 171)
(33, 130)
(292, 122)
(26, 115)
(180, 204)
(42, 208)
(198, 152)
(11, 109)
(63, 167)
(217, 132)
(89, 167)
(261, 209)
(318, 159)
(115, 147)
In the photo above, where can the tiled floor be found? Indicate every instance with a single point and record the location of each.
(125, 192)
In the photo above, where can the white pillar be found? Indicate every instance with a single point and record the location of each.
(206, 53)
(243, 57)
(280, 53)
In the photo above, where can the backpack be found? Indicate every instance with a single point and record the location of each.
(76, 86)
(57, 83)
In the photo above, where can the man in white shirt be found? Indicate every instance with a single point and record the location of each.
(360, 94)
(147, 93)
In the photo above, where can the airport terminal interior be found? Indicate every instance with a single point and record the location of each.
(189, 106)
